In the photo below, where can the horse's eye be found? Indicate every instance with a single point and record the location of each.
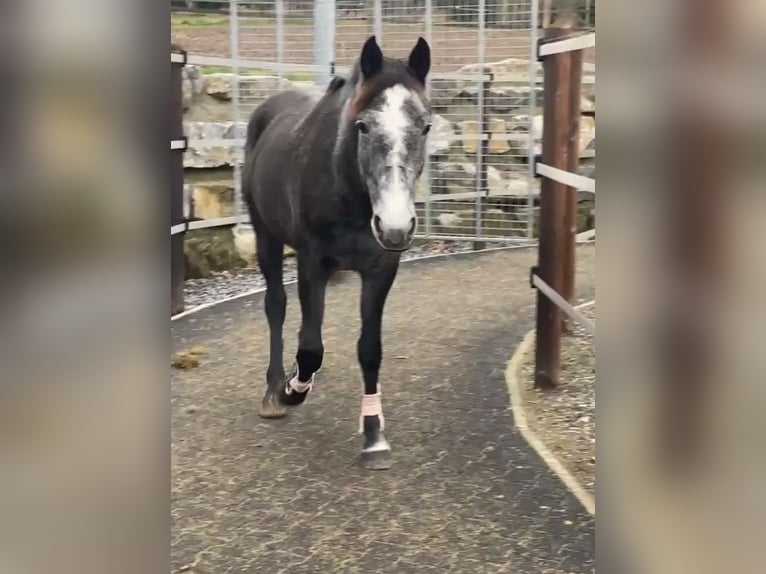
(362, 127)
(426, 129)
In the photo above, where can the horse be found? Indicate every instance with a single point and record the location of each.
(333, 175)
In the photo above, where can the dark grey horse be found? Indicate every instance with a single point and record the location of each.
(334, 177)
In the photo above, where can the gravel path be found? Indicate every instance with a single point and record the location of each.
(231, 283)
(465, 494)
(565, 419)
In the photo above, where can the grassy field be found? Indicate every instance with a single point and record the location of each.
(292, 76)
(180, 20)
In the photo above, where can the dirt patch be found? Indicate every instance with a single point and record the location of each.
(565, 418)
(453, 46)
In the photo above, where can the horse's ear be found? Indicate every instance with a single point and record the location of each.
(420, 60)
(371, 61)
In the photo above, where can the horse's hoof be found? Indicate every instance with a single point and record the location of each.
(271, 408)
(377, 459)
(376, 454)
(293, 398)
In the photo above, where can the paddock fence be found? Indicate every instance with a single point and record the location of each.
(486, 85)
(561, 51)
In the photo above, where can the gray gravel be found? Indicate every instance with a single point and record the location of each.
(565, 418)
(232, 283)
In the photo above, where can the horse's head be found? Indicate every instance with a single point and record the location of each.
(391, 118)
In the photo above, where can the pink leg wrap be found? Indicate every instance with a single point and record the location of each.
(299, 387)
(371, 406)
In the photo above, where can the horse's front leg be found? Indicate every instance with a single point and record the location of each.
(312, 283)
(376, 452)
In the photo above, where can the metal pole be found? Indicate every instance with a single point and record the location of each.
(239, 208)
(378, 21)
(280, 9)
(532, 105)
(177, 271)
(481, 148)
(572, 166)
(324, 40)
(429, 36)
(553, 206)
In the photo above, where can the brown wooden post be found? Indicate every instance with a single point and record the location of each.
(572, 165)
(553, 208)
(177, 272)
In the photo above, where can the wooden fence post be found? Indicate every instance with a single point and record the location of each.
(553, 210)
(572, 165)
(177, 272)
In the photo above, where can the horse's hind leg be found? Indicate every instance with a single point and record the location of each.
(270, 255)
(312, 282)
(376, 452)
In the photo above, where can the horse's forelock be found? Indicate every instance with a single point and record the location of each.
(366, 90)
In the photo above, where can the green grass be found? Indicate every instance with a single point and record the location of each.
(292, 76)
(193, 20)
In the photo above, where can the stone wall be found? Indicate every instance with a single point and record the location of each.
(453, 144)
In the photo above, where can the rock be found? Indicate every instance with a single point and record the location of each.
(252, 88)
(586, 215)
(441, 136)
(255, 89)
(219, 86)
(587, 131)
(443, 92)
(460, 177)
(498, 142)
(507, 66)
(213, 199)
(191, 85)
(520, 146)
(503, 100)
(244, 241)
(588, 104)
(212, 156)
(209, 250)
(500, 222)
(469, 130)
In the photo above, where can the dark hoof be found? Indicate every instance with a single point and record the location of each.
(271, 408)
(289, 396)
(293, 398)
(376, 460)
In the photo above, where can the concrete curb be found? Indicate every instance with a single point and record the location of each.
(520, 420)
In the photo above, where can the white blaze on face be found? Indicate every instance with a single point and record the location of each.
(395, 207)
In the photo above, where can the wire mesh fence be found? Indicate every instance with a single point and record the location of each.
(485, 87)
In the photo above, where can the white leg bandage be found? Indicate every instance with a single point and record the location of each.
(297, 386)
(371, 406)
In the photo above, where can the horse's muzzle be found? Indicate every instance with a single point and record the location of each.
(393, 238)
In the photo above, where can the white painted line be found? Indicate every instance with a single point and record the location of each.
(569, 44)
(588, 235)
(563, 304)
(520, 420)
(567, 178)
(216, 222)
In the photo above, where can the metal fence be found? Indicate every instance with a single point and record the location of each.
(485, 87)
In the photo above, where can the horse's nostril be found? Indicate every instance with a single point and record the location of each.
(377, 224)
